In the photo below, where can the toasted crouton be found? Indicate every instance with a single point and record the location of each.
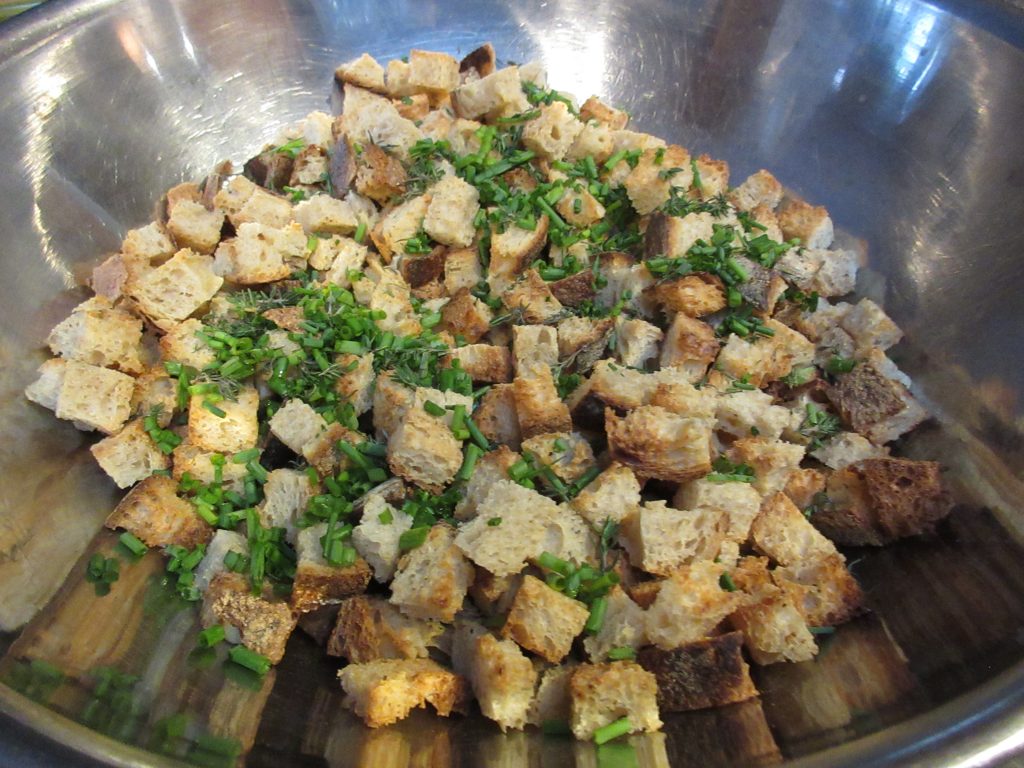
(603, 693)
(552, 133)
(809, 224)
(636, 342)
(763, 287)
(193, 226)
(480, 61)
(129, 456)
(296, 424)
(655, 442)
(584, 340)
(263, 624)
(212, 564)
(338, 257)
(702, 674)
(259, 254)
(368, 118)
(484, 362)
(423, 449)
(772, 461)
(658, 172)
(760, 188)
(739, 501)
(433, 72)
(149, 243)
(595, 109)
(199, 465)
(364, 72)
(326, 214)
(285, 495)
(370, 628)
(544, 621)
(177, 288)
(876, 501)
(400, 224)
(182, 345)
(623, 627)
(660, 539)
(377, 535)
(870, 327)
(492, 94)
(497, 417)
(781, 532)
(512, 250)
(503, 679)
(612, 495)
(689, 605)
(317, 582)
(825, 592)
(538, 407)
(97, 333)
(355, 384)
(690, 345)
(155, 394)
(580, 208)
(461, 270)
(236, 430)
(827, 272)
(453, 206)
(467, 316)
(92, 397)
(432, 580)
(695, 295)
(711, 177)
(773, 629)
(751, 412)
(875, 404)
(154, 513)
(568, 454)
(552, 702)
(379, 176)
(672, 236)
(846, 448)
(385, 691)
(534, 345)
(531, 298)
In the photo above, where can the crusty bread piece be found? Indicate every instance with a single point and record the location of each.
(400, 224)
(484, 362)
(286, 493)
(371, 119)
(263, 623)
(568, 454)
(322, 452)
(376, 537)
(773, 461)
(385, 691)
(512, 250)
(181, 345)
(212, 564)
(328, 215)
(193, 226)
(584, 339)
(602, 693)
(825, 592)
(97, 333)
(462, 270)
(713, 177)
(197, 463)
(492, 467)
(689, 605)
(695, 295)
(503, 680)
(534, 345)
(538, 407)
(595, 109)
(612, 495)
(149, 243)
(261, 254)
(544, 621)
(751, 412)
(781, 532)
(847, 448)
(552, 133)
(176, 289)
(490, 95)
(809, 224)
(379, 176)
(493, 595)
(497, 417)
(154, 513)
(803, 485)
(660, 539)
(740, 502)
(876, 501)
(341, 256)
(449, 217)
(529, 297)
(92, 397)
(637, 342)
(45, 390)
(432, 580)
(672, 236)
(773, 628)
(466, 316)
(874, 403)
(570, 537)
(552, 702)
(296, 424)
(654, 442)
(370, 628)
(355, 384)
(423, 449)
(760, 188)
(364, 71)
(705, 673)
(623, 627)
(129, 456)
(690, 345)
(236, 431)
(318, 583)
(656, 174)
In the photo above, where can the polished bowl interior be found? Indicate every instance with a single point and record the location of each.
(902, 117)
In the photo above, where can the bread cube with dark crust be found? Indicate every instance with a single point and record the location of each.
(538, 407)
(497, 417)
(379, 176)
(486, 363)
(370, 628)
(154, 513)
(530, 297)
(263, 623)
(783, 533)
(690, 345)
(824, 592)
(702, 674)
(603, 693)
(544, 621)
(595, 109)
(385, 691)
(318, 583)
(655, 442)
(696, 295)
(467, 316)
(433, 579)
(874, 404)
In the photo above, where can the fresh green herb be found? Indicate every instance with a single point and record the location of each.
(360, 234)
(101, 572)
(291, 148)
(211, 636)
(727, 472)
(412, 538)
(296, 194)
(725, 582)
(808, 302)
(606, 733)
(132, 543)
(537, 95)
(433, 408)
(598, 610)
(799, 376)
(494, 522)
(251, 660)
(622, 653)
(837, 365)
(181, 563)
(818, 426)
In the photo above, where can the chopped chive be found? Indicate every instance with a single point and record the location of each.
(595, 621)
(614, 730)
(478, 437)
(413, 538)
(132, 543)
(210, 636)
(494, 522)
(244, 457)
(622, 653)
(220, 413)
(473, 454)
(250, 659)
(725, 582)
(433, 408)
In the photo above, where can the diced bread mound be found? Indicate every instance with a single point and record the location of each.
(462, 270)
(92, 397)
(193, 226)
(296, 424)
(326, 214)
(263, 623)
(809, 224)
(432, 580)
(530, 297)
(498, 92)
(828, 272)
(875, 403)
(660, 539)
(285, 495)
(706, 673)
(846, 448)
(96, 333)
(504, 549)
(149, 243)
(781, 532)
(538, 407)
(260, 254)
(154, 513)
(371, 119)
(467, 316)
(689, 605)
(423, 449)
(376, 537)
(658, 172)
(497, 418)
(654, 442)
(612, 495)
(236, 430)
(512, 250)
(196, 462)
(773, 629)
(760, 188)
(364, 72)
(181, 345)
(751, 412)
(825, 592)
(212, 564)
(567, 453)
(317, 582)
(637, 342)
(45, 390)
(534, 345)
(544, 621)
(552, 702)
(739, 501)
(401, 223)
(603, 693)
(879, 500)
(385, 691)
(176, 289)
(129, 456)
(370, 628)
(623, 627)
(552, 133)
(484, 362)
(449, 216)
(694, 295)
(773, 461)
(690, 345)
(492, 467)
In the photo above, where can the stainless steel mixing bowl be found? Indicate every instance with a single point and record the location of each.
(903, 117)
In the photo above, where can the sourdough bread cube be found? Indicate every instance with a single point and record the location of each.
(623, 627)
(503, 680)
(423, 450)
(783, 533)
(605, 114)
(232, 196)
(713, 177)
(263, 623)
(512, 250)
(398, 79)
(364, 72)
(379, 176)
(401, 223)
(568, 454)
(217, 549)
(323, 213)
(296, 424)
(544, 621)
(377, 535)
(415, 108)
(845, 449)
(129, 456)
(492, 467)
(654, 442)
(584, 339)
(93, 397)
(660, 539)
(530, 297)
(773, 629)
(658, 172)
(385, 691)
(497, 417)
(673, 236)
(181, 345)
(149, 243)
(285, 496)
(838, 273)
(493, 595)
(751, 412)
(740, 502)
(317, 582)
(462, 270)
(193, 226)
(595, 140)
(870, 327)
(809, 224)
(264, 208)
(773, 461)
(484, 362)
(569, 537)
(432, 580)
(637, 342)
(45, 390)
(674, 393)
(260, 254)
(760, 188)
(391, 399)
(355, 384)
(176, 289)
(154, 513)
(337, 257)
(693, 295)
(552, 702)
(322, 451)
(371, 119)
(538, 407)
(552, 133)
(612, 495)
(96, 333)
(370, 628)
(497, 92)
(690, 345)
(433, 72)
(449, 216)
(689, 605)
(237, 430)
(467, 316)
(604, 693)
(197, 463)
(534, 345)
(825, 592)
